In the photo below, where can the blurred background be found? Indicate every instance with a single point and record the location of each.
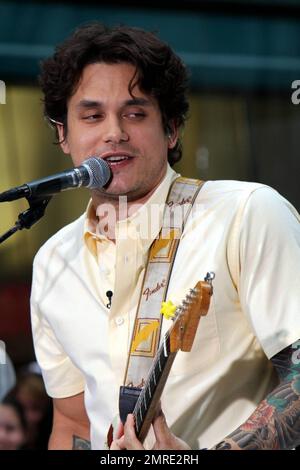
(243, 57)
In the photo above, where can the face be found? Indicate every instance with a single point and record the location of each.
(12, 435)
(34, 409)
(104, 120)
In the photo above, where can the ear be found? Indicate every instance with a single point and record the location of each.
(173, 135)
(64, 142)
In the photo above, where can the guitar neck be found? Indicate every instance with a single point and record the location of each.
(149, 397)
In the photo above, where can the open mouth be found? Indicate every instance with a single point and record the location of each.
(117, 160)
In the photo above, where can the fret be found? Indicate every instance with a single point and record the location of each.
(141, 416)
(157, 373)
(154, 377)
(151, 387)
(141, 409)
(144, 401)
(165, 348)
(157, 370)
(138, 422)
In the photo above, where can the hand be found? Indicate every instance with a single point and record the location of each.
(126, 437)
(165, 439)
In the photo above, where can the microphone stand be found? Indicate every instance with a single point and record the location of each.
(26, 219)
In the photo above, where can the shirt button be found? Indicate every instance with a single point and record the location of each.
(119, 321)
(105, 271)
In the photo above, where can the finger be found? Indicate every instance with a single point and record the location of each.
(130, 439)
(165, 439)
(158, 411)
(118, 444)
(161, 429)
(119, 431)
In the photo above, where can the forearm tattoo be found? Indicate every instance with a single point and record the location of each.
(80, 444)
(275, 423)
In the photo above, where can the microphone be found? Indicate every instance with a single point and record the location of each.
(93, 173)
(109, 295)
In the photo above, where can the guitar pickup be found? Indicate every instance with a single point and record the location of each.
(127, 399)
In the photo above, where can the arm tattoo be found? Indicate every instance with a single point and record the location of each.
(80, 444)
(275, 423)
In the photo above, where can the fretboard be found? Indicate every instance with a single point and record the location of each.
(146, 404)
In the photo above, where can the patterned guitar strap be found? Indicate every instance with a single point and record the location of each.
(148, 322)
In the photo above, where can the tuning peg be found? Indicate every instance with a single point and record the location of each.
(180, 309)
(186, 303)
(193, 294)
(194, 291)
(209, 277)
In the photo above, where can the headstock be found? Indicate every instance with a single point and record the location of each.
(188, 314)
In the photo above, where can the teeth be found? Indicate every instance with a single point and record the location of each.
(116, 159)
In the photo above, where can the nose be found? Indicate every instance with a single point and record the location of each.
(114, 131)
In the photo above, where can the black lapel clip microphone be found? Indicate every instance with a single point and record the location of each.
(109, 295)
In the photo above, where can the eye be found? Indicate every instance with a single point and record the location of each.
(92, 117)
(138, 115)
(133, 113)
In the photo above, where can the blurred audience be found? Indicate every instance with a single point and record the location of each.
(25, 408)
(7, 373)
(30, 393)
(13, 426)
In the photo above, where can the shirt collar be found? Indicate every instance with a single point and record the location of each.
(144, 225)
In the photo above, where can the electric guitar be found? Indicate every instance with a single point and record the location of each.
(142, 402)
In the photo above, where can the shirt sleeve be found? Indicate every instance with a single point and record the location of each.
(7, 372)
(269, 260)
(62, 378)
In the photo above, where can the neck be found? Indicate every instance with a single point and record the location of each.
(111, 209)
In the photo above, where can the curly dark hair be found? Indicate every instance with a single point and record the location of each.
(159, 72)
(12, 402)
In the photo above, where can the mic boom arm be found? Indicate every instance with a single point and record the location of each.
(94, 173)
(29, 217)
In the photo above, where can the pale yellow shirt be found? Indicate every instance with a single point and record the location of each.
(244, 232)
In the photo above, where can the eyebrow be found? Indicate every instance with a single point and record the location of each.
(88, 104)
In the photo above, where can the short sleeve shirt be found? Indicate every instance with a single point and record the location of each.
(247, 234)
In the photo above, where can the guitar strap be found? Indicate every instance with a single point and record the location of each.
(148, 321)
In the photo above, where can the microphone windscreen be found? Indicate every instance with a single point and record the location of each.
(99, 172)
